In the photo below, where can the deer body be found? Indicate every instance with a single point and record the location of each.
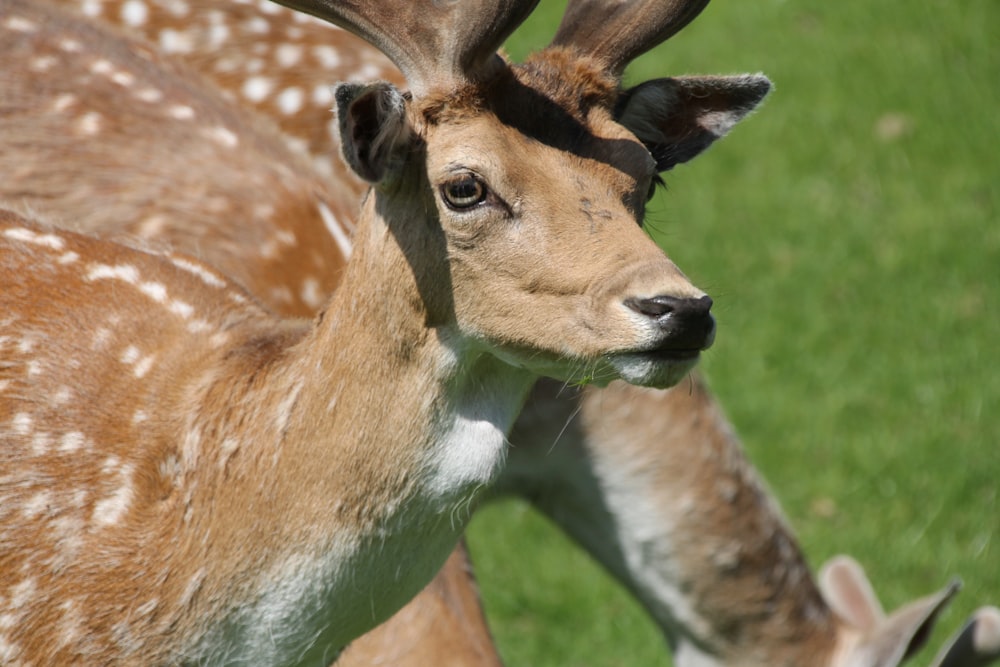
(174, 493)
(188, 478)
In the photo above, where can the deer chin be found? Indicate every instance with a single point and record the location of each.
(660, 369)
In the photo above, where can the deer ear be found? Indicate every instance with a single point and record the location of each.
(883, 641)
(678, 118)
(374, 132)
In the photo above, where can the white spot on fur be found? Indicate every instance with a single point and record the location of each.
(139, 417)
(62, 396)
(322, 96)
(101, 338)
(20, 24)
(40, 443)
(71, 624)
(71, 442)
(326, 55)
(282, 295)
(143, 366)
(204, 274)
(175, 41)
(70, 45)
(63, 102)
(68, 257)
(198, 326)
(311, 294)
(110, 510)
(102, 66)
(134, 13)
(257, 88)
(222, 136)
(218, 34)
(50, 241)
(37, 504)
(152, 226)
(124, 272)
(181, 309)
(181, 112)
(290, 101)
(22, 423)
(92, 8)
(43, 63)
(258, 25)
(268, 7)
(336, 231)
(155, 291)
(191, 448)
(130, 355)
(22, 593)
(9, 651)
(288, 55)
(179, 8)
(369, 71)
(123, 78)
(151, 95)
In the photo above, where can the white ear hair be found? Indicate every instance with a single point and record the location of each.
(373, 127)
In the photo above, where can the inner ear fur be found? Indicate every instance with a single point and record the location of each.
(373, 127)
(677, 118)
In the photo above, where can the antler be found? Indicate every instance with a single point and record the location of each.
(434, 42)
(619, 31)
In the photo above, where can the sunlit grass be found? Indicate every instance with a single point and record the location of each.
(849, 234)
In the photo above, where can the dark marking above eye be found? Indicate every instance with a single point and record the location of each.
(593, 216)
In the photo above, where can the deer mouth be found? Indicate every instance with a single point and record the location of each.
(660, 367)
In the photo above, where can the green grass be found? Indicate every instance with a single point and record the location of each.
(849, 233)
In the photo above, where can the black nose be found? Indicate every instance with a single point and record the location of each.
(688, 323)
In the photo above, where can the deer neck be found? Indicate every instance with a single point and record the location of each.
(386, 410)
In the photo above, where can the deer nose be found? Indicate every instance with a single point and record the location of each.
(688, 322)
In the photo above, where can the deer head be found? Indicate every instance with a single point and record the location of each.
(523, 168)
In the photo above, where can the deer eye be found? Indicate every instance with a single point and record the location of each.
(463, 192)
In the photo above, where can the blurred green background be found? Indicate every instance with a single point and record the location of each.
(848, 233)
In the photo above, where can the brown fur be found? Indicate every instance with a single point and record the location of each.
(259, 476)
(736, 635)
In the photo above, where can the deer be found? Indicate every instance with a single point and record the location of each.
(262, 264)
(816, 626)
(188, 477)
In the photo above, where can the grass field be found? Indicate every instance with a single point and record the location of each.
(849, 234)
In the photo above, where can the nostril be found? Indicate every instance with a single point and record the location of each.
(658, 306)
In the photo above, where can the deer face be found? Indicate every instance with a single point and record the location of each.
(545, 247)
(538, 193)
(530, 183)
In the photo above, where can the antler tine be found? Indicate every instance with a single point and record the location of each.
(619, 31)
(433, 42)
